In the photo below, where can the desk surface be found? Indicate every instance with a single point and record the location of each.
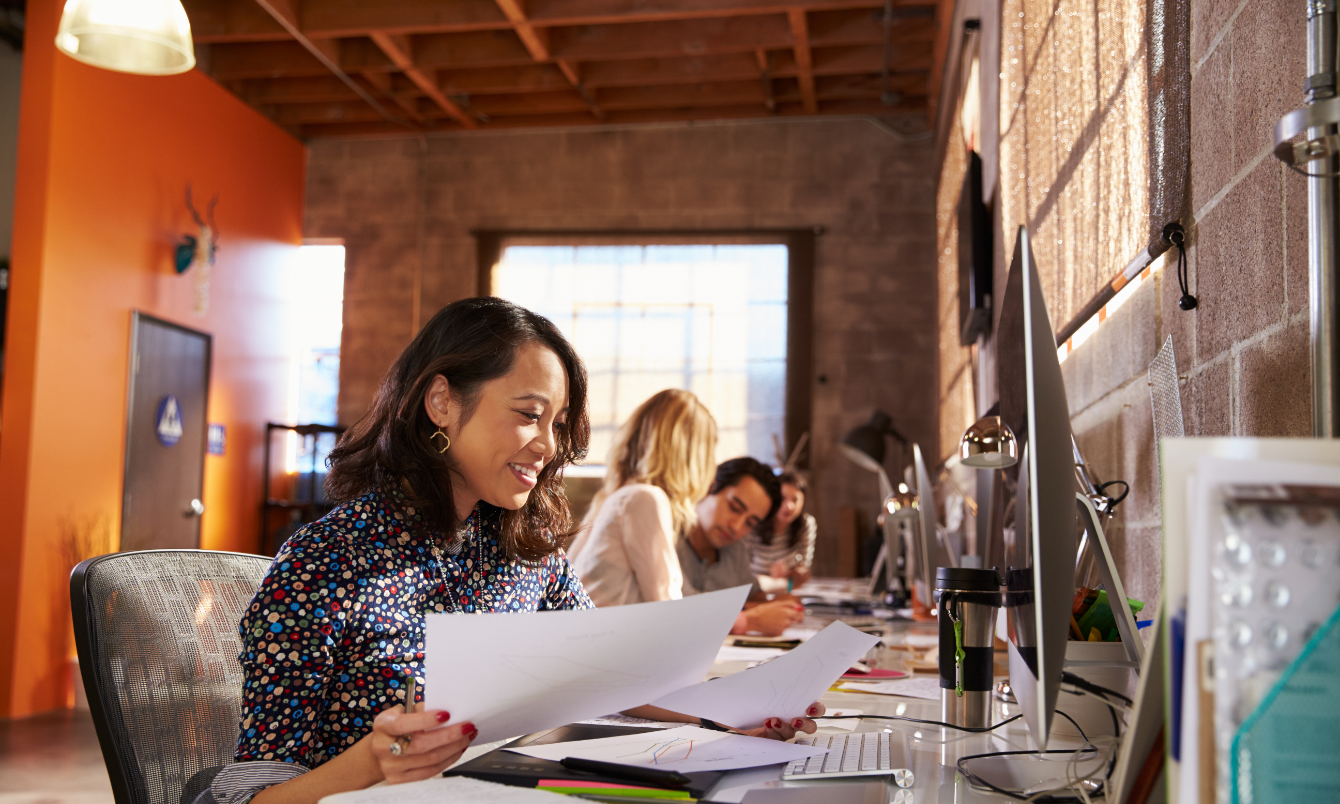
(934, 750)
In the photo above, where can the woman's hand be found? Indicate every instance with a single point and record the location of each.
(779, 569)
(775, 728)
(773, 617)
(799, 577)
(430, 749)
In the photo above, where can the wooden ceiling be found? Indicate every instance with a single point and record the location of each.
(357, 67)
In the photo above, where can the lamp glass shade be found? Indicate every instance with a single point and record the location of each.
(144, 37)
(989, 444)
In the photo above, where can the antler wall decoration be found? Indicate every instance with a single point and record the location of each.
(199, 251)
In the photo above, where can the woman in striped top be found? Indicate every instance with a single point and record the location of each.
(784, 547)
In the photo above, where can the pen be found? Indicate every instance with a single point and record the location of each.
(630, 772)
(411, 692)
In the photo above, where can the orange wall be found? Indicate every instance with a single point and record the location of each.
(104, 160)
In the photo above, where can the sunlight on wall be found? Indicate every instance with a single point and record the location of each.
(314, 287)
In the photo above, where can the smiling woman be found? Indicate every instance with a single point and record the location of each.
(459, 367)
(450, 500)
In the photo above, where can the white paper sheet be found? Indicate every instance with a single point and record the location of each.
(512, 674)
(917, 687)
(617, 719)
(449, 790)
(734, 653)
(784, 687)
(687, 749)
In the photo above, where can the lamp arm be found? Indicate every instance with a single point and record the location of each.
(885, 487)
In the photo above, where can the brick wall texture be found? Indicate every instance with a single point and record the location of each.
(405, 209)
(1243, 353)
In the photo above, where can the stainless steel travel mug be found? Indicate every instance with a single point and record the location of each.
(967, 602)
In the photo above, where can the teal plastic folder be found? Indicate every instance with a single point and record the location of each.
(1288, 750)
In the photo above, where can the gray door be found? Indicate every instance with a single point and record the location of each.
(165, 436)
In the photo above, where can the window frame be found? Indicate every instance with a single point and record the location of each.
(800, 261)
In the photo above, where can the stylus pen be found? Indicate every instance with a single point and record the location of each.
(630, 772)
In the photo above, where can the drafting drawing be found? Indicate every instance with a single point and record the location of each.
(662, 752)
(687, 749)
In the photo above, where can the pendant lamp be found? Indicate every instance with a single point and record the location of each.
(145, 37)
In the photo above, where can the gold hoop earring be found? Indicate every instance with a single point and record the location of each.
(445, 437)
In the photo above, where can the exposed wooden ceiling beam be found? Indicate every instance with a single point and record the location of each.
(232, 21)
(384, 83)
(672, 38)
(495, 80)
(764, 59)
(397, 49)
(285, 12)
(537, 43)
(800, 33)
(723, 94)
(342, 18)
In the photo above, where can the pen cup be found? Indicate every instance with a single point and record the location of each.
(968, 600)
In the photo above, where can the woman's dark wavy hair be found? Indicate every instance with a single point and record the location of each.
(469, 342)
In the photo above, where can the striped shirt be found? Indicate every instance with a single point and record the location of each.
(795, 547)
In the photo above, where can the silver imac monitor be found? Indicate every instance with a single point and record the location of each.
(1040, 584)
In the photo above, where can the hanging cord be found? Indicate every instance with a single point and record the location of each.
(1176, 235)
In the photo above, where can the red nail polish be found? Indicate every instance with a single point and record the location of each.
(814, 710)
(470, 731)
(443, 717)
(798, 723)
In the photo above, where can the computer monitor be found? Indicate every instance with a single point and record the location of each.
(1041, 589)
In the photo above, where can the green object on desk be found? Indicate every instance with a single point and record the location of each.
(959, 656)
(1099, 615)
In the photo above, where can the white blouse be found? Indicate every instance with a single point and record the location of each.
(627, 555)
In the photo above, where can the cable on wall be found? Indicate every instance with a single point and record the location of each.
(1176, 235)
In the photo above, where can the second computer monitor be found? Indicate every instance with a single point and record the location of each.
(1041, 585)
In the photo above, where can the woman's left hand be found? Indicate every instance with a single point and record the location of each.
(775, 728)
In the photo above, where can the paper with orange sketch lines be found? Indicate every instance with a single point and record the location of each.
(687, 749)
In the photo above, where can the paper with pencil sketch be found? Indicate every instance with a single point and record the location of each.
(515, 673)
(783, 687)
(687, 749)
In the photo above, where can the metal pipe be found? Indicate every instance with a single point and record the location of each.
(1321, 230)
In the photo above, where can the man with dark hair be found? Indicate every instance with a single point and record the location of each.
(712, 555)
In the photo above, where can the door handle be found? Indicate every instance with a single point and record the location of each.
(196, 508)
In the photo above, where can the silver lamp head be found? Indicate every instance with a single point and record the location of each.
(989, 444)
(903, 503)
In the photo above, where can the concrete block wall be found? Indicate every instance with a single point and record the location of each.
(405, 208)
(1242, 354)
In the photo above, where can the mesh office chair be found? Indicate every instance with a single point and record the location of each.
(157, 638)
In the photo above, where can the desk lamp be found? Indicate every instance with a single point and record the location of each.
(864, 446)
(988, 444)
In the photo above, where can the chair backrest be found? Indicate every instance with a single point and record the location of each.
(158, 644)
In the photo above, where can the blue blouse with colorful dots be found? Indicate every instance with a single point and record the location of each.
(337, 626)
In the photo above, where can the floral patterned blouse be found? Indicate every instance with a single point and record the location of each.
(337, 627)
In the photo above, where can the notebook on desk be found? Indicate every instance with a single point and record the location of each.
(505, 767)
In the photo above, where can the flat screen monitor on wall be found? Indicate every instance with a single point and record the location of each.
(975, 264)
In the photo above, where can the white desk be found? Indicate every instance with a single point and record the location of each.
(935, 750)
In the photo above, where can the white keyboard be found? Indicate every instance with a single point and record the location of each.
(867, 753)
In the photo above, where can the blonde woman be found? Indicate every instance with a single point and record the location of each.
(662, 464)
